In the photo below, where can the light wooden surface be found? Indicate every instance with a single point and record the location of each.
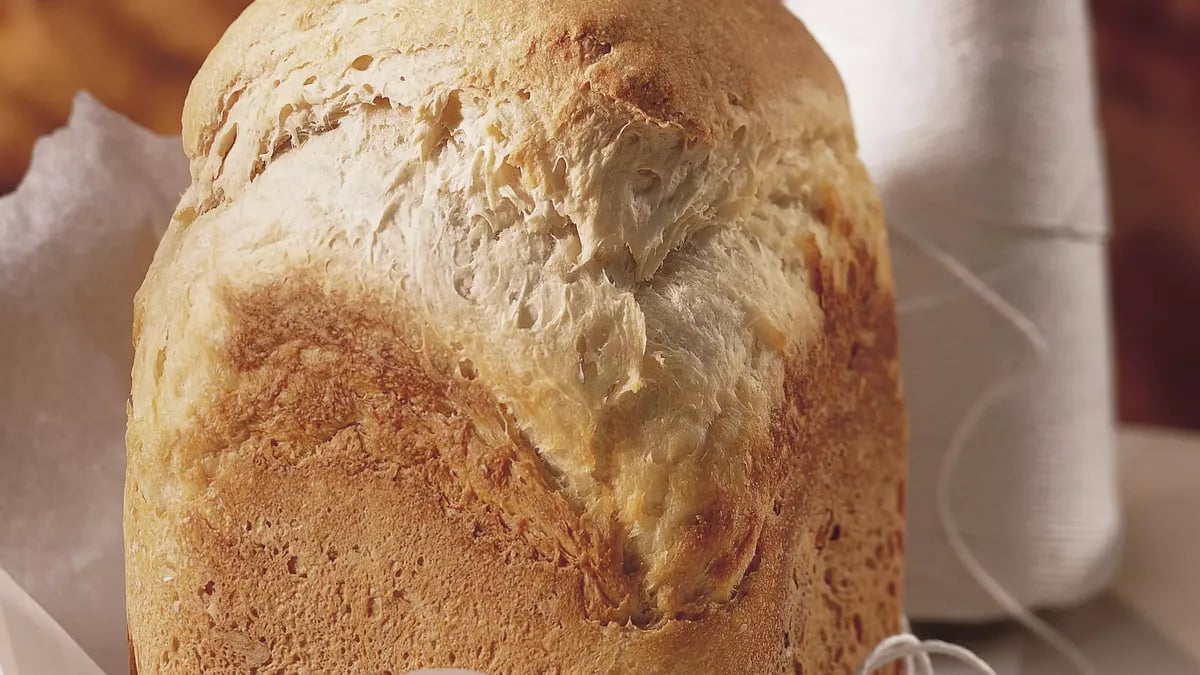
(1160, 577)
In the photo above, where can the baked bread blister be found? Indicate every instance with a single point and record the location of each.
(517, 336)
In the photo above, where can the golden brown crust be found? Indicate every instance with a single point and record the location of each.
(359, 516)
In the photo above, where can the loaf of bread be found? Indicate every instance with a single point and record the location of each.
(524, 336)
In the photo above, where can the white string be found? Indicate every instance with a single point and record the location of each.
(917, 652)
(900, 646)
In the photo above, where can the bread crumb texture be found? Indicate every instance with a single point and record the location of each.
(523, 337)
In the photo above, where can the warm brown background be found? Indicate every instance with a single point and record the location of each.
(1148, 53)
(139, 55)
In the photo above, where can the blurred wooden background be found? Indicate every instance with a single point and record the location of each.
(1148, 57)
(138, 56)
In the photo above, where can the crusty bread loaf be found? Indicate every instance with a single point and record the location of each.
(525, 336)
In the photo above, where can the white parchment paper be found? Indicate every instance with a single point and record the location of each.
(75, 241)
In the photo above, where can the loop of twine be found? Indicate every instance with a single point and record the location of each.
(917, 652)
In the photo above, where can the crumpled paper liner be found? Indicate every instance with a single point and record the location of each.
(75, 241)
(31, 643)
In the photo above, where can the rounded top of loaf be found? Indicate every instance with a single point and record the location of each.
(683, 63)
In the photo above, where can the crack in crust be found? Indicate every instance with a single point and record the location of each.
(322, 377)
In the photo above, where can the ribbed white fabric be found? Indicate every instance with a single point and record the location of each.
(977, 119)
